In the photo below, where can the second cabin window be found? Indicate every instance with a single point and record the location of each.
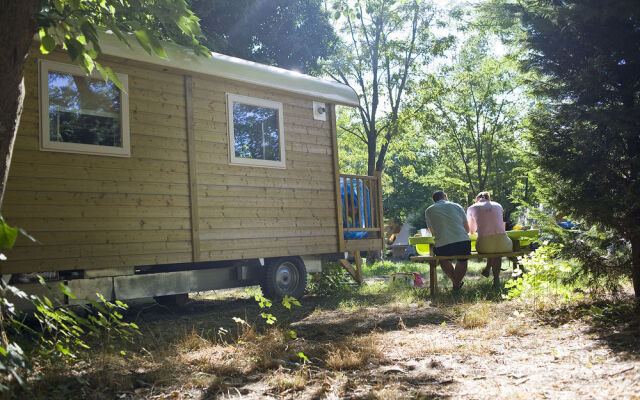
(256, 134)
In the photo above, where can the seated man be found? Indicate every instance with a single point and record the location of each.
(447, 222)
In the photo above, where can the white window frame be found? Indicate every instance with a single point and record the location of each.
(46, 144)
(253, 101)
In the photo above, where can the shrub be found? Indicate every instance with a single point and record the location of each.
(604, 257)
(546, 276)
(62, 333)
(601, 257)
(333, 280)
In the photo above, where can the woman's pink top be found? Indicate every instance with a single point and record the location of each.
(486, 217)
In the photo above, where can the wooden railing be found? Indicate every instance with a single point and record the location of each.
(361, 206)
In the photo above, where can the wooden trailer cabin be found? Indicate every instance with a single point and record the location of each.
(199, 174)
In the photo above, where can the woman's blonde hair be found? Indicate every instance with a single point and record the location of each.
(483, 195)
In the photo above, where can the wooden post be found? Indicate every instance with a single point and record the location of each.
(433, 275)
(353, 272)
(358, 266)
(433, 278)
(191, 157)
(370, 216)
(514, 260)
(350, 193)
(336, 174)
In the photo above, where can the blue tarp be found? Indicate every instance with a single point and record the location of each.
(363, 219)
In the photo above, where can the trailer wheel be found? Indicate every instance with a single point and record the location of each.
(284, 277)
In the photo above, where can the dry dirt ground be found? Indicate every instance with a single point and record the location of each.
(361, 349)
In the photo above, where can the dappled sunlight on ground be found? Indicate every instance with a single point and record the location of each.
(378, 342)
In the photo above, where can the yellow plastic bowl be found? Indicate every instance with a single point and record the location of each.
(423, 249)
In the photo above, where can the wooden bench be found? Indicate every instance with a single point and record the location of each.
(433, 263)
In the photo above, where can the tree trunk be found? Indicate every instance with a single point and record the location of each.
(17, 29)
(635, 257)
(371, 154)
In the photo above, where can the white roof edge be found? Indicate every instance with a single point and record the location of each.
(233, 68)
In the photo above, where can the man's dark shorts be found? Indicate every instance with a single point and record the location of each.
(454, 249)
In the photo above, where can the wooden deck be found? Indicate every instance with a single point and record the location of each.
(360, 218)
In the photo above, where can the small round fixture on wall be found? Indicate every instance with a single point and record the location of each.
(319, 111)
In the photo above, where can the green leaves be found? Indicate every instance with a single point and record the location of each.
(108, 74)
(263, 302)
(75, 49)
(149, 42)
(304, 358)
(75, 26)
(269, 318)
(8, 235)
(12, 360)
(47, 43)
(189, 25)
(288, 301)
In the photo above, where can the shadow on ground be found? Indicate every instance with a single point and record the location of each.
(615, 322)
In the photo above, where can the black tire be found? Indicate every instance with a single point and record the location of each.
(282, 277)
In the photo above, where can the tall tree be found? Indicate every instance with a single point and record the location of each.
(408, 159)
(472, 114)
(385, 42)
(586, 137)
(292, 34)
(73, 25)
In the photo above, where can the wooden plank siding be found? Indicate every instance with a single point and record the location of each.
(250, 211)
(96, 211)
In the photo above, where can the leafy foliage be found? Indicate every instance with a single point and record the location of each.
(472, 114)
(386, 42)
(332, 280)
(270, 319)
(544, 276)
(290, 34)
(602, 258)
(585, 135)
(75, 26)
(409, 160)
(62, 334)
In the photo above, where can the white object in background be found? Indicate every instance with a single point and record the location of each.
(423, 232)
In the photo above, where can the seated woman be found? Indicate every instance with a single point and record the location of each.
(486, 216)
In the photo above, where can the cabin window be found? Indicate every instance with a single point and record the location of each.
(256, 134)
(82, 113)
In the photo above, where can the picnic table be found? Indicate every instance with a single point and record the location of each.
(424, 247)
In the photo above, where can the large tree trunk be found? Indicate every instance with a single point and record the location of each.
(635, 257)
(371, 155)
(17, 29)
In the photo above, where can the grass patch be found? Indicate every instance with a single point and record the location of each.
(350, 339)
(516, 329)
(388, 267)
(353, 355)
(386, 393)
(476, 316)
(285, 379)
